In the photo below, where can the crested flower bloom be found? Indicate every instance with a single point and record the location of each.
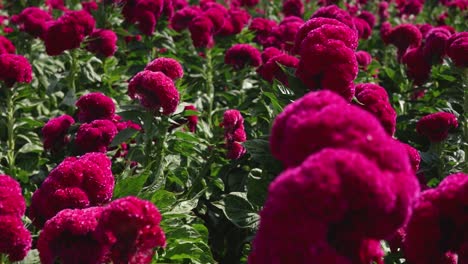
(70, 234)
(363, 28)
(368, 17)
(418, 68)
(32, 20)
(11, 199)
(170, 67)
(403, 36)
(89, 6)
(94, 106)
(435, 45)
(262, 28)
(95, 136)
(15, 68)
(192, 120)
(269, 53)
(68, 32)
(235, 22)
(436, 126)
(333, 11)
(438, 224)
(201, 31)
(409, 7)
(373, 98)
(457, 46)
(383, 11)
(154, 90)
(415, 158)
(130, 227)
(241, 55)
(102, 42)
(6, 46)
(182, 18)
(234, 133)
(363, 59)
(77, 182)
(144, 13)
(55, 132)
(56, 4)
(283, 35)
(271, 70)
(293, 8)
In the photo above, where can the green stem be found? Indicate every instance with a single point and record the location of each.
(209, 84)
(157, 165)
(203, 172)
(73, 71)
(11, 133)
(437, 148)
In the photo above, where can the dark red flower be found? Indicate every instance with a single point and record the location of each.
(457, 47)
(95, 136)
(170, 67)
(293, 8)
(271, 70)
(75, 183)
(269, 53)
(130, 226)
(68, 32)
(55, 132)
(249, 3)
(241, 55)
(154, 90)
(192, 120)
(363, 28)
(415, 158)
(15, 68)
(333, 11)
(15, 239)
(235, 22)
(11, 198)
(102, 42)
(262, 28)
(6, 46)
(145, 13)
(89, 6)
(383, 11)
(418, 68)
(436, 126)
(435, 46)
(234, 133)
(93, 106)
(201, 31)
(32, 20)
(183, 17)
(363, 59)
(409, 7)
(404, 36)
(56, 4)
(368, 17)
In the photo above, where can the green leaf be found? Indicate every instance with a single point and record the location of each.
(130, 184)
(163, 199)
(240, 211)
(123, 136)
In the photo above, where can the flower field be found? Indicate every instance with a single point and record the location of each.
(237, 131)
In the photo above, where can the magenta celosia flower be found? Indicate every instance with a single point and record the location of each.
(271, 70)
(56, 4)
(436, 126)
(362, 27)
(182, 18)
(15, 239)
(15, 68)
(249, 3)
(69, 237)
(333, 11)
(269, 53)
(368, 17)
(424, 28)
(201, 31)
(383, 11)
(170, 67)
(6, 46)
(75, 183)
(55, 132)
(438, 224)
(415, 158)
(363, 59)
(68, 32)
(121, 125)
(11, 198)
(235, 22)
(404, 36)
(179, 4)
(283, 35)
(94, 106)
(102, 42)
(435, 45)
(130, 226)
(89, 6)
(32, 20)
(145, 13)
(192, 120)
(154, 90)
(241, 55)
(217, 14)
(409, 7)
(95, 136)
(418, 68)
(371, 98)
(457, 47)
(262, 28)
(234, 132)
(293, 8)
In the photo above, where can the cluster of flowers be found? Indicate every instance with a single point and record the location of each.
(208, 20)
(347, 184)
(15, 238)
(234, 133)
(67, 32)
(13, 68)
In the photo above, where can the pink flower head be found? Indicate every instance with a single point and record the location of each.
(170, 67)
(11, 199)
(240, 55)
(293, 8)
(418, 68)
(333, 11)
(15, 239)
(6, 46)
(435, 46)
(201, 31)
(368, 17)
(145, 13)
(410, 7)
(77, 182)
(269, 53)
(89, 6)
(93, 106)
(154, 90)
(404, 36)
(235, 22)
(183, 17)
(55, 132)
(436, 126)
(372, 99)
(415, 158)
(363, 28)
(284, 34)
(262, 28)
(363, 59)
(234, 132)
(437, 228)
(56, 4)
(68, 32)
(32, 20)
(192, 120)
(15, 68)
(424, 28)
(102, 42)
(95, 136)
(218, 15)
(271, 70)
(457, 47)
(383, 11)
(130, 226)
(69, 237)
(179, 4)
(121, 125)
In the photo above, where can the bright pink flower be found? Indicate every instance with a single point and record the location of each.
(192, 120)
(32, 20)
(15, 68)
(11, 198)
(363, 28)
(368, 17)
(409, 7)
(93, 106)
(404, 36)
(145, 13)
(234, 133)
(383, 11)
(201, 31)
(435, 46)
(235, 22)
(56, 4)
(262, 28)
(363, 59)
(170, 67)
(418, 68)
(154, 90)
(415, 158)
(333, 11)
(6, 46)
(55, 132)
(95, 136)
(102, 42)
(182, 18)
(241, 55)
(269, 53)
(271, 70)
(89, 6)
(15, 239)
(436, 126)
(457, 47)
